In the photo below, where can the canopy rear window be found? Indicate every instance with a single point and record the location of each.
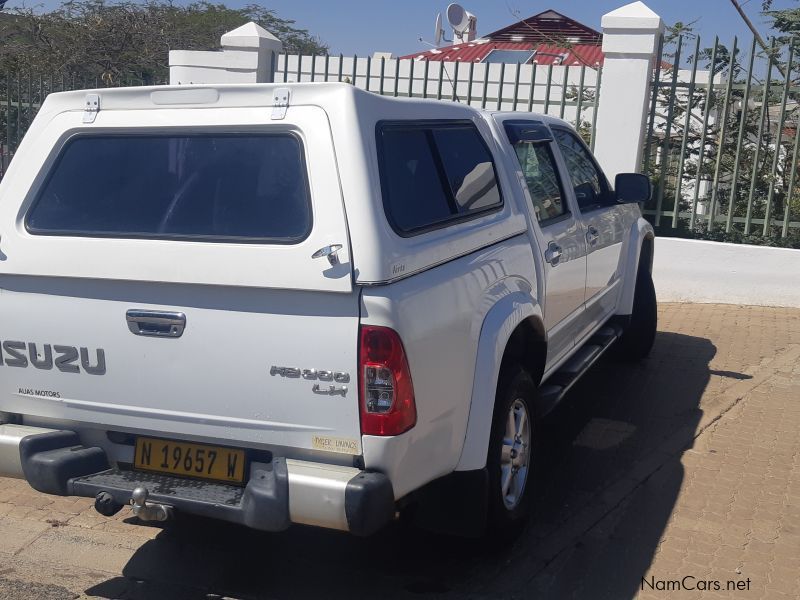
(226, 187)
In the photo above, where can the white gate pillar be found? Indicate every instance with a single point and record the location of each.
(630, 40)
(249, 55)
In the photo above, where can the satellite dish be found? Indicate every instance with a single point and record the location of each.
(439, 33)
(463, 22)
(457, 17)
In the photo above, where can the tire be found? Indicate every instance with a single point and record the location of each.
(640, 333)
(510, 461)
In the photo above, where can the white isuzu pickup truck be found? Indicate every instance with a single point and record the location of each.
(305, 303)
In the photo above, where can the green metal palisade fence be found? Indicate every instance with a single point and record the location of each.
(722, 151)
(22, 94)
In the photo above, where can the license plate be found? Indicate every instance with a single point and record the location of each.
(190, 460)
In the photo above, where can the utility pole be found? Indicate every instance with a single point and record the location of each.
(757, 35)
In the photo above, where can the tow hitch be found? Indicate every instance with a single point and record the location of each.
(148, 511)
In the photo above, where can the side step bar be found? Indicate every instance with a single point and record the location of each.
(560, 382)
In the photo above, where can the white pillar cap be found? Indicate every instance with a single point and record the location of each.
(636, 15)
(250, 35)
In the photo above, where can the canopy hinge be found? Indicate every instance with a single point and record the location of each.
(91, 108)
(280, 102)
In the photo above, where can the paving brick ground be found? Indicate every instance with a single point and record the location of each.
(719, 506)
(737, 517)
(681, 470)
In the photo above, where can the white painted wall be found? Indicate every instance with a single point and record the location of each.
(716, 272)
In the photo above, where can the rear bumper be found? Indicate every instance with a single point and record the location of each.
(278, 493)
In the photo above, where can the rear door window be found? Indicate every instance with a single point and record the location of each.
(227, 187)
(541, 178)
(435, 174)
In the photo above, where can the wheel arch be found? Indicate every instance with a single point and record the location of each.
(641, 246)
(513, 330)
(647, 251)
(527, 346)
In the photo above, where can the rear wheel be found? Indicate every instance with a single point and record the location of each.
(511, 457)
(639, 335)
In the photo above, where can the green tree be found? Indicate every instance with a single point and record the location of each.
(121, 41)
(785, 21)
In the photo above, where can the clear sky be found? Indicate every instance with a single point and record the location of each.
(366, 26)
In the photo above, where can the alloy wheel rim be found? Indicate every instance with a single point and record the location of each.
(515, 454)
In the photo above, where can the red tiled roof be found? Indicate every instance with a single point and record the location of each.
(546, 54)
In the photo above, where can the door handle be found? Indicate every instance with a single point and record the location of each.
(330, 252)
(553, 253)
(156, 323)
(592, 235)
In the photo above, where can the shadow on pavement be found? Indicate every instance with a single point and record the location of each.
(582, 542)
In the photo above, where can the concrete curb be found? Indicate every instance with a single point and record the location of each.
(720, 273)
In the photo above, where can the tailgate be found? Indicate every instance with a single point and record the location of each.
(160, 278)
(68, 353)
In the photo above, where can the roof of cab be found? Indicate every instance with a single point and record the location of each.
(546, 119)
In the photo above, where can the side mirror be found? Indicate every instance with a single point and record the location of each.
(632, 187)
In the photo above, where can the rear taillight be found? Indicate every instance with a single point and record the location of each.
(386, 394)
